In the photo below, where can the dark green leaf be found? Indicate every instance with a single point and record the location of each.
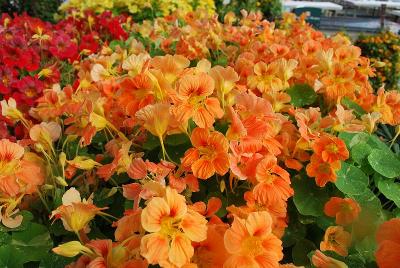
(308, 198)
(34, 242)
(177, 139)
(357, 109)
(301, 95)
(301, 250)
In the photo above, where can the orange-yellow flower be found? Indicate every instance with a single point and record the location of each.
(345, 210)
(172, 227)
(19, 171)
(209, 155)
(193, 100)
(323, 172)
(388, 238)
(76, 213)
(336, 239)
(251, 243)
(273, 182)
(320, 260)
(330, 149)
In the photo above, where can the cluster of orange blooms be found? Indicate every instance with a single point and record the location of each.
(128, 96)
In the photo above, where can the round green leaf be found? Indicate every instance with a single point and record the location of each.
(360, 152)
(301, 95)
(34, 242)
(351, 180)
(385, 163)
(301, 250)
(309, 199)
(390, 189)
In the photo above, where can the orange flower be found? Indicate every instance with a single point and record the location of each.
(193, 101)
(274, 182)
(330, 149)
(19, 171)
(209, 155)
(155, 118)
(336, 239)
(323, 172)
(320, 260)
(170, 66)
(76, 213)
(211, 253)
(388, 238)
(251, 243)
(345, 210)
(172, 227)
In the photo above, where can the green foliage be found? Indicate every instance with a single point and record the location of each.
(383, 47)
(43, 9)
(271, 9)
(301, 95)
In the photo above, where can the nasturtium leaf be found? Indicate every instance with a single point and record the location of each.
(151, 143)
(308, 198)
(360, 152)
(351, 180)
(357, 109)
(385, 163)
(54, 260)
(293, 233)
(389, 188)
(301, 95)
(10, 257)
(34, 242)
(114, 43)
(301, 250)
(177, 139)
(5, 238)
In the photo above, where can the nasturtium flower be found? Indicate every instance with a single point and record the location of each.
(336, 239)
(345, 210)
(193, 100)
(172, 228)
(388, 239)
(323, 172)
(320, 260)
(330, 149)
(209, 155)
(76, 213)
(20, 172)
(250, 242)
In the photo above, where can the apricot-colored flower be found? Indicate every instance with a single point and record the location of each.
(274, 182)
(193, 100)
(336, 239)
(155, 118)
(388, 239)
(209, 155)
(320, 260)
(330, 149)
(170, 66)
(172, 227)
(345, 210)
(211, 253)
(323, 172)
(225, 79)
(76, 213)
(19, 172)
(251, 243)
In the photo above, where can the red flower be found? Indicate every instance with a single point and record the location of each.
(63, 48)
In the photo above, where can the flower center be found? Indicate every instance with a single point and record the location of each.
(252, 246)
(169, 226)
